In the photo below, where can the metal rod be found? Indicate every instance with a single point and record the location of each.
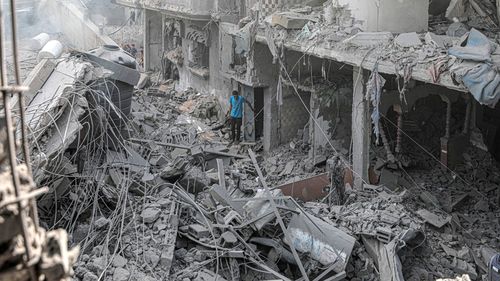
(467, 115)
(10, 133)
(399, 137)
(18, 82)
(278, 216)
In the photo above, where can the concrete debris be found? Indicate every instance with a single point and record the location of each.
(150, 215)
(169, 197)
(408, 40)
(369, 39)
(289, 20)
(433, 219)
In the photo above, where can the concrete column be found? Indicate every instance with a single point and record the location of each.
(147, 27)
(153, 40)
(271, 126)
(361, 129)
(314, 108)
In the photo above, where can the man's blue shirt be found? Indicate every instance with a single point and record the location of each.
(237, 106)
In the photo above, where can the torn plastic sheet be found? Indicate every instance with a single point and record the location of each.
(374, 92)
(482, 80)
(476, 71)
(321, 240)
(477, 48)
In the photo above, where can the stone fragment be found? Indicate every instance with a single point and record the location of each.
(89, 276)
(101, 222)
(151, 258)
(462, 267)
(433, 219)
(408, 40)
(119, 261)
(121, 274)
(150, 215)
(98, 265)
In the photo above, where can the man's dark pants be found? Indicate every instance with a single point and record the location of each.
(235, 128)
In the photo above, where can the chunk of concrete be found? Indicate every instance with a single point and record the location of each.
(438, 41)
(288, 168)
(89, 276)
(462, 267)
(119, 261)
(150, 215)
(290, 20)
(433, 219)
(429, 199)
(101, 222)
(121, 274)
(487, 253)
(207, 275)
(198, 231)
(151, 258)
(228, 239)
(408, 40)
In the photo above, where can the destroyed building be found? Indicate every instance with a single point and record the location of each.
(370, 147)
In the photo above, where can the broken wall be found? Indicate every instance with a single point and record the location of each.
(386, 15)
(294, 115)
(81, 32)
(267, 72)
(153, 41)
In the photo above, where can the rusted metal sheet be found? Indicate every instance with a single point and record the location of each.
(309, 189)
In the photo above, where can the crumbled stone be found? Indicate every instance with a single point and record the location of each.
(121, 274)
(150, 215)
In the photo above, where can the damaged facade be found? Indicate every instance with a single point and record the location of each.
(371, 154)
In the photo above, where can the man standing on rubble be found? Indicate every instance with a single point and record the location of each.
(236, 110)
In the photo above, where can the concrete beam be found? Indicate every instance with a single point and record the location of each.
(367, 60)
(34, 81)
(361, 129)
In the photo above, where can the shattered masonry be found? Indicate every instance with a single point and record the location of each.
(370, 149)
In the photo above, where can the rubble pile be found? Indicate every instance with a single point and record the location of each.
(174, 200)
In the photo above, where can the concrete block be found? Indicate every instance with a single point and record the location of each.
(408, 40)
(289, 20)
(198, 231)
(150, 215)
